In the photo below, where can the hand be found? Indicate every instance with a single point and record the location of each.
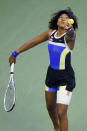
(68, 26)
(12, 59)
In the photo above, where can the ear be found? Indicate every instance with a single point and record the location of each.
(57, 22)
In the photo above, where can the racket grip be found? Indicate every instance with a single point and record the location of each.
(12, 68)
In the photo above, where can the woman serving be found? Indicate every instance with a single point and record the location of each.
(60, 78)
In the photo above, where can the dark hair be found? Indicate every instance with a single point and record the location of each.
(54, 19)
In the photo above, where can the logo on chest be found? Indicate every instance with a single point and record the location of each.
(51, 38)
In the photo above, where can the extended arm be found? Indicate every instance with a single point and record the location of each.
(29, 44)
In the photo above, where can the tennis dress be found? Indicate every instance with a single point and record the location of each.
(60, 71)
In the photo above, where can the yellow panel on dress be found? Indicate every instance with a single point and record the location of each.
(62, 58)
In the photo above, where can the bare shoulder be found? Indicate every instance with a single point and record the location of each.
(50, 31)
(46, 34)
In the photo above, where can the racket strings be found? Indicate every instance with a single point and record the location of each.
(10, 97)
(10, 93)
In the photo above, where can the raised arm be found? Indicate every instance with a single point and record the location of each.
(29, 44)
(70, 38)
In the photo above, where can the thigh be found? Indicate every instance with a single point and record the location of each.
(63, 96)
(50, 98)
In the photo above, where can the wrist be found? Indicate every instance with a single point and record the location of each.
(15, 54)
(70, 32)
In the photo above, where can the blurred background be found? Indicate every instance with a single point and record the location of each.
(20, 21)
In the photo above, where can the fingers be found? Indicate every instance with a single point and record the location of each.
(12, 59)
(68, 26)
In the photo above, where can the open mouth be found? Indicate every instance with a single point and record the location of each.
(63, 22)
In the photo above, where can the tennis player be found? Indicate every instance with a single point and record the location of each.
(60, 78)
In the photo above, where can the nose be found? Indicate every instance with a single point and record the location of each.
(63, 18)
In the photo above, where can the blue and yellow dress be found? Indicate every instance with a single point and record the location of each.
(60, 71)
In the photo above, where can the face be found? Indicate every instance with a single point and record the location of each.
(63, 20)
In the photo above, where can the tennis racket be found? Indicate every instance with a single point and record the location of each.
(10, 93)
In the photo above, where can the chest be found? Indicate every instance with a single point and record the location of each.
(56, 45)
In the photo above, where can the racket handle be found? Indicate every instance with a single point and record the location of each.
(12, 68)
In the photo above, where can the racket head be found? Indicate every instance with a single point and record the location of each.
(9, 98)
(10, 93)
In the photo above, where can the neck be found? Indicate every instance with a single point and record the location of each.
(61, 31)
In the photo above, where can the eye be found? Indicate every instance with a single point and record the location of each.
(66, 17)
